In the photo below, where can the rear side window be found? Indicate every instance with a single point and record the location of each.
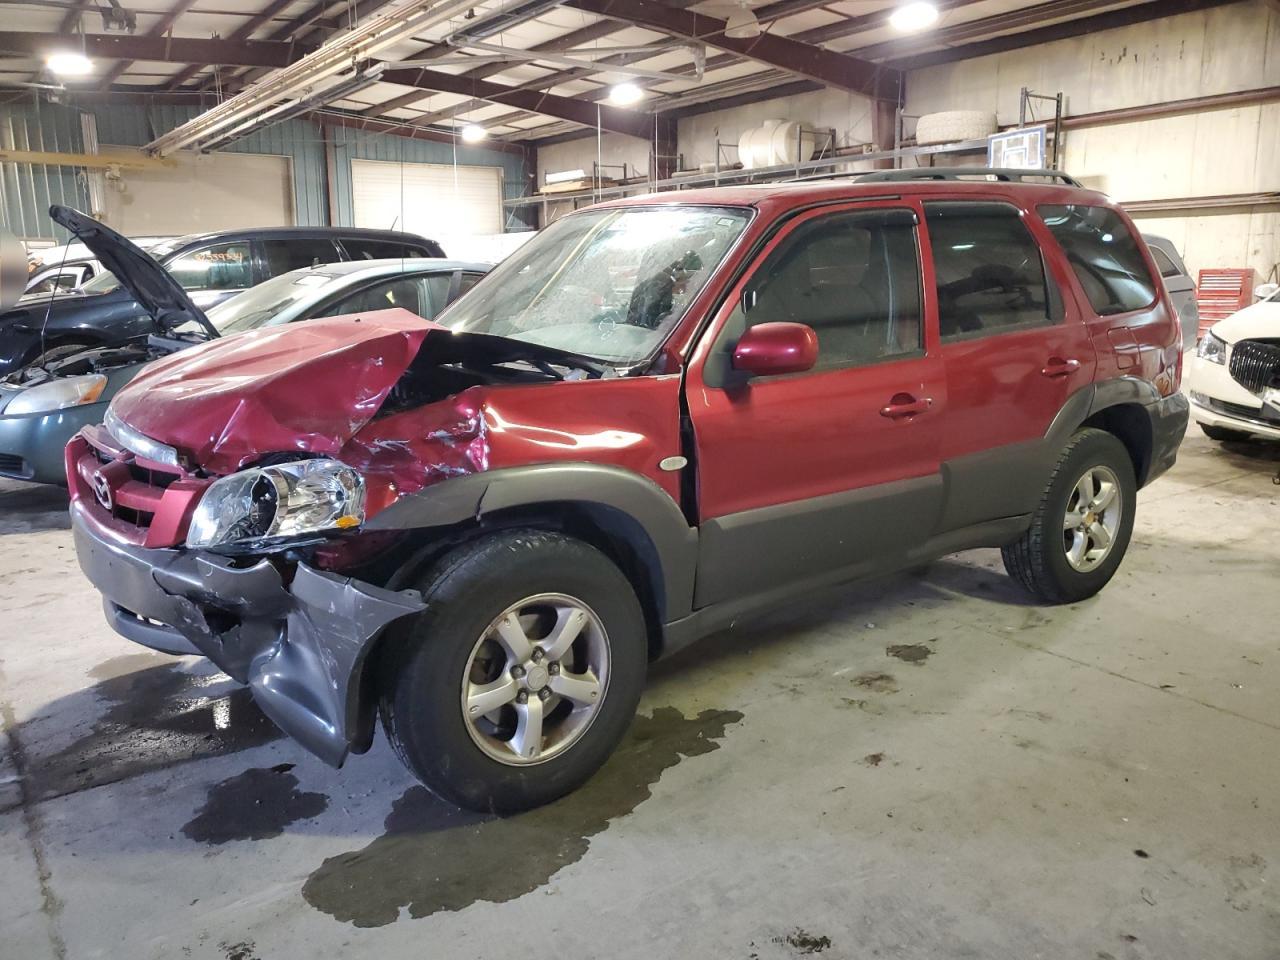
(295, 253)
(359, 248)
(989, 270)
(1105, 256)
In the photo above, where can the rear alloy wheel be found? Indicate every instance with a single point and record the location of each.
(519, 678)
(1082, 525)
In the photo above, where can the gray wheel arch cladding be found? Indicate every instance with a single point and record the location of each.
(607, 492)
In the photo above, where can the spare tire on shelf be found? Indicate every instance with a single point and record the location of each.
(954, 126)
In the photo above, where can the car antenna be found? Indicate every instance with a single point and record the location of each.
(48, 307)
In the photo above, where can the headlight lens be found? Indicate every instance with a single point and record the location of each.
(278, 503)
(57, 394)
(1211, 348)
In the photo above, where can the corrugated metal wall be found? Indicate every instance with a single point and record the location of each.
(300, 140)
(365, 145)
(26, 189)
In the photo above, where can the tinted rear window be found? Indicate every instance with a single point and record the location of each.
(1104, 255)
(1167, 267)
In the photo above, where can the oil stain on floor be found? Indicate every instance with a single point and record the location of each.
(255, 805)
(916, 653)
(435, 857)
(155, 717)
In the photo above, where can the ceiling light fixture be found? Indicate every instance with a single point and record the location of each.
(913, 17)
(742, 24)
(68, 63)
(474, 133)
(625, 94)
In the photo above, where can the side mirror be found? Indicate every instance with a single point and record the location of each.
(1265, 291)
(770, 349)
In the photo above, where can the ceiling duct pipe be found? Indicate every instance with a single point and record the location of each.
(345, 51)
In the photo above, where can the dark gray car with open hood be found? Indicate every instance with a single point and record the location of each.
(41, 408)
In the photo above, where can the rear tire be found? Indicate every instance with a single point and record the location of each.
(1090, 499)
(1224, 434)
(483, 600)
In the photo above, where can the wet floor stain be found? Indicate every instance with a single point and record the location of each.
(155, 717)
(803, 942)
(435, 857)
(876, 682)
(255, 805)
(916, 653)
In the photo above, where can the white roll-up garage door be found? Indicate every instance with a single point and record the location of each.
(435, 200)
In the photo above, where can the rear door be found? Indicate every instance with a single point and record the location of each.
(1013, 348)
(819, 475)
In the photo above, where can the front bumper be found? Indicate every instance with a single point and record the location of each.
(31, 446)
(299, 643)
(1220, 401)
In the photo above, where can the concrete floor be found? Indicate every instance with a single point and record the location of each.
(925, 766)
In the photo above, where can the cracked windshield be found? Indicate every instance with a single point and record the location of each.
(609, 284)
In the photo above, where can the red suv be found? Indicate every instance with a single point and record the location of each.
(660, 416)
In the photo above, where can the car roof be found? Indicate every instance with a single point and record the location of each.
(284, 233)
(379, 268)
(800, 193)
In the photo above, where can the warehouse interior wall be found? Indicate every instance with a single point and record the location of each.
(320, 195)
(1202, 154)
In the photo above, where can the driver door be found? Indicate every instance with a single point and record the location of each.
(821, 475)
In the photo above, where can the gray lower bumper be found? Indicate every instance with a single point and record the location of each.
(300, 646)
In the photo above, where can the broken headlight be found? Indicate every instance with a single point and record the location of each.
(278, 503)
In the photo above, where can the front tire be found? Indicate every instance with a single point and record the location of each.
(1225, 434)
(516, 683)
(1082, 525)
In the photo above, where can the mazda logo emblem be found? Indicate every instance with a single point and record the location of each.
(102, 490)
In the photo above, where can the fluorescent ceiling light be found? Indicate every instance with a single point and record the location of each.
(564, 176)
(474, 133)
(742, 25)
(625, 93)
(913, 16)
(69, 64)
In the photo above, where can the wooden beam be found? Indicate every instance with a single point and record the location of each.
(164, 49)
(96, 161)
(833, 69)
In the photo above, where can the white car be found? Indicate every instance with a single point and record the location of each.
(59, 269)
(1235, 376)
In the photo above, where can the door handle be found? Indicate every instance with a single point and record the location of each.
(905, 405)
(1057, 367)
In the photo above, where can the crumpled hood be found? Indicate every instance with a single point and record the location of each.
(297, 388)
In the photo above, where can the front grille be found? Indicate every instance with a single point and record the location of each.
(139, 501)
(1255, 364)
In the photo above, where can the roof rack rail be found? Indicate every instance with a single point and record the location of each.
(1004, 174)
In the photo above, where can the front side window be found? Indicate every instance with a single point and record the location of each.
(854, 278)
(989, 270)
(608, 284)
(294, 253)
(224, 266)
(1104, 255)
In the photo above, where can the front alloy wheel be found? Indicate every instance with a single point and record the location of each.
(536, 678)
(519, 678)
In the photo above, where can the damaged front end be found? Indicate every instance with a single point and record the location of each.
(297, 635)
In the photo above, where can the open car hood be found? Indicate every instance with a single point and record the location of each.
(149, 283)
(296, 388)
